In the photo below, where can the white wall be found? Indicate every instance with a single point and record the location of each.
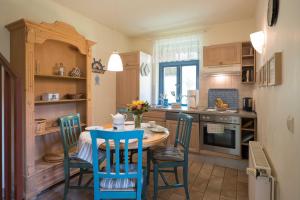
(107, 40)
(237, 31)
(275, 104)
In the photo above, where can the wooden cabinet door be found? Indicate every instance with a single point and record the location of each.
(127, 86)
(223, 54)
(231, 53)
(194, 141)
(211, 56)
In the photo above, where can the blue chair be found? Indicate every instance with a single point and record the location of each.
(69, 130)
(121, 180)
(169, 159)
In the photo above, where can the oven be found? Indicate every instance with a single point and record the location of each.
(221, 133)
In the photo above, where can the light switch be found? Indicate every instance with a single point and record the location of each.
(290, 123)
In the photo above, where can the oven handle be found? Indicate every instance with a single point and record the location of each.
(226, 126)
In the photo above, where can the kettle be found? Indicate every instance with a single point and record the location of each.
(248, 104)
(118, 121)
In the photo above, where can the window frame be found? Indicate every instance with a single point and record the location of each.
(179, 65)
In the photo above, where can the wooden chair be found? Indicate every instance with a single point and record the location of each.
(164, 158)
(69, 130)
(121, 180)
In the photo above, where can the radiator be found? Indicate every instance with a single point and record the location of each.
(260, 181)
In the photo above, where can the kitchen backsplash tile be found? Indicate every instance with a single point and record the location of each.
(230, 96)
(225, 82)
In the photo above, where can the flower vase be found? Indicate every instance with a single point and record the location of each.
(138, 120)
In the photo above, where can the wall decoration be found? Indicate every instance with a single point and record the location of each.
(97, 80)
(275, 69)
(265, 75)
(98, 67)
(145, 69)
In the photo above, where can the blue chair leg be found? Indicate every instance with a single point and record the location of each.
(148, 165)
(80, 178)
(176, 175)
(155, 181)
(186, 181)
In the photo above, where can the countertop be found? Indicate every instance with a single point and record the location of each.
(240, 113)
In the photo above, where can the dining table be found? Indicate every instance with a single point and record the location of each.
(152, 137)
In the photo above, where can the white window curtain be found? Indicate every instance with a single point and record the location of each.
(177, 49)
(181, 48)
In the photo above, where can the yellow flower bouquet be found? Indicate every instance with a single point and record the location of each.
(137, 108)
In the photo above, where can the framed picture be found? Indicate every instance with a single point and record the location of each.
(265, 75)
(274, 69)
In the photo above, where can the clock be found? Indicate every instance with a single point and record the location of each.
(273, 8)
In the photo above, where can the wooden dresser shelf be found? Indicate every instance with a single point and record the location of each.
(247, 56)
(54, 129)
(60, 101)
(59, 77)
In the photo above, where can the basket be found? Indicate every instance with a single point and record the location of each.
(40, 125)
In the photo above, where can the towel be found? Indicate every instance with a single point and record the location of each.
(215, 128)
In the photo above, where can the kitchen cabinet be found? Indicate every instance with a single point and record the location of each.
(134, 82)
(158, 116)
(194, 140)
(222, 54)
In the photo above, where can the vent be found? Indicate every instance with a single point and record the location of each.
(259, 159)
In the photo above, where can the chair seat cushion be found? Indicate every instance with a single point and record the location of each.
(169, 153)
(119, 183)
(75, 159)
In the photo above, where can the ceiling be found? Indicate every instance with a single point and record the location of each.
(140, 17)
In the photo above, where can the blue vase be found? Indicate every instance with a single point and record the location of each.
(166, 103)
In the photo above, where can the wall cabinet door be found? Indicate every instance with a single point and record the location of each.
(224, 54)
(127, 86)
(194, 142)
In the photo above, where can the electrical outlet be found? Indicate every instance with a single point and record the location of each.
(290, 123)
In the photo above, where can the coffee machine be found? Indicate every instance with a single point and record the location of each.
(192, 99)
(248, 104)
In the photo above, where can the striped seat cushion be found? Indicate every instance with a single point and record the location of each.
(119, 183)
(170, 153)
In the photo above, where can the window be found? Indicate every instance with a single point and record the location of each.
(176, 78)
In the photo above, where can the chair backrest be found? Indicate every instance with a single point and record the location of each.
(116, 141)
(69, 130)
(183, 131)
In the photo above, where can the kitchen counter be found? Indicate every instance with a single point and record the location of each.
(240, 113)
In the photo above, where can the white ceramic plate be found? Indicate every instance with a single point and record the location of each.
(129, 141)
(129, 123)
(89, 128)
(158, 129)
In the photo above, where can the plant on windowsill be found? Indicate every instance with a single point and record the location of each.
(137, 108)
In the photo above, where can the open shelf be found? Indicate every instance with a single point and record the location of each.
(59, 77)
(60, 101)
(53, 130)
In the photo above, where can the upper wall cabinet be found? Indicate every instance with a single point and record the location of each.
(223, 54)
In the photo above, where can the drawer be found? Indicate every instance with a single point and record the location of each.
(174, 116)
(155, 114)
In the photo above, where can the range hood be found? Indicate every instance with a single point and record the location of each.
(221, 69)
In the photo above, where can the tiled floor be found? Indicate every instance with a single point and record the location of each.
(206, 182)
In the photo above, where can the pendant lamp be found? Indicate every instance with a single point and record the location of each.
(115, 62)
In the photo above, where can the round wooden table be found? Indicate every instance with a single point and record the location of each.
(150, 139)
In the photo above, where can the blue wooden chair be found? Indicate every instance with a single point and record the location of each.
(121, 180)
(169, 159)
(69, 130)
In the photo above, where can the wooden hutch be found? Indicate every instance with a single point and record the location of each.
(35, 51)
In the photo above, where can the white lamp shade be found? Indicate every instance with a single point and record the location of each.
(258, 41)
(115, 63)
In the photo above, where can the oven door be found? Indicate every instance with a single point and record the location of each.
(228, 142)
